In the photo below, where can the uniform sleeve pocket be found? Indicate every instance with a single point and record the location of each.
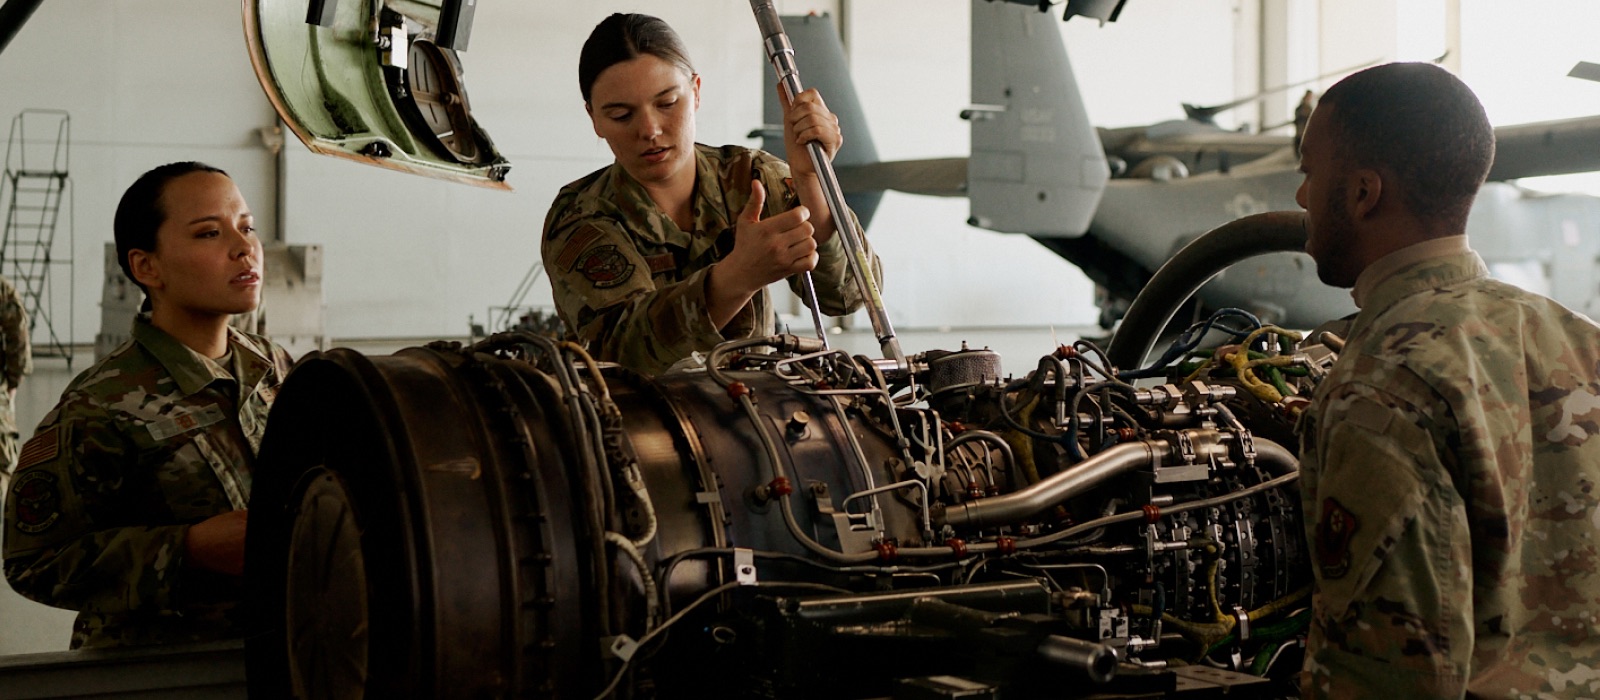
(1367, 495)
(1393, 590)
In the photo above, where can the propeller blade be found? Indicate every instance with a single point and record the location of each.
(1586, 71)
(1207, 113)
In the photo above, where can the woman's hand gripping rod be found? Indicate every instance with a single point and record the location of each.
(781, 54)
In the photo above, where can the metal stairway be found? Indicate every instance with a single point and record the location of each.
(35, 186)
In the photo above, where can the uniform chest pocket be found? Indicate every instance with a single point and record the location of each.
(198, 481)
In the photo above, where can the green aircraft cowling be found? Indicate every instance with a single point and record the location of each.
(372, 87)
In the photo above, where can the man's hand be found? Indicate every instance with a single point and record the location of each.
(217, 543)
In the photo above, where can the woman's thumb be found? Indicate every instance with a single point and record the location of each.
(758, 200)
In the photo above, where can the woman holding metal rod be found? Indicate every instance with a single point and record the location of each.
(669, 250)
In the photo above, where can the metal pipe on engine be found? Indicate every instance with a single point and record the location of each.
(1276, 458)
(1097, 661)
(1079, 479)
(781, 53)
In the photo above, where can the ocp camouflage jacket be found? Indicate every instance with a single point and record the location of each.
(1451, 486)
(148, 441)
(632, 285)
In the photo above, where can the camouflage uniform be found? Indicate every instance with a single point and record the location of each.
(1451, 480)
(16, 360)
(633, 285)
(148, 441)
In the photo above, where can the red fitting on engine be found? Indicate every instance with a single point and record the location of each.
(957, 546)
(974, 491)
(886, 550)
(955, 426)
(823, 386)
(780, 487)
(1005, 545)
(1126, 434)
(1151, 513)
(737, 389)
(1066, 352)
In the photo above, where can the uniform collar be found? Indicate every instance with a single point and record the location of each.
(193, 371)
(1429, 272)
(1388, 265)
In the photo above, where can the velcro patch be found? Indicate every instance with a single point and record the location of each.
(42, 447)
(605, 266)
(185, 422)
(38, 501)
(574, 246)
(1334, 530)
(664, 262)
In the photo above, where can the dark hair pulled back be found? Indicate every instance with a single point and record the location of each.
(140, 215)
(623, 37)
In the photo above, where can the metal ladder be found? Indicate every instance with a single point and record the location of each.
(35, 186)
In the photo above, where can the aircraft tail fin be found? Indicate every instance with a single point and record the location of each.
(1037, 164)
(820, 54)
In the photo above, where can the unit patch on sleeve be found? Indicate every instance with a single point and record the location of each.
(42, 447)
(605, 266)
(1334, 530)
(38, 501)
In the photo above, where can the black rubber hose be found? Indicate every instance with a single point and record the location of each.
(1191, 268)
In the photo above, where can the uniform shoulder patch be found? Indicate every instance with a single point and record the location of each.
(42, 447)
(575, 245)
(1334, 530)
(605, 266)
(38, 501)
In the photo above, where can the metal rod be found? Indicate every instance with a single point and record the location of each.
(781, 53)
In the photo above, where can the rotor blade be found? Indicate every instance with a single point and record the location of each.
(1586, 71)
(1546, 148)
(1206, 113)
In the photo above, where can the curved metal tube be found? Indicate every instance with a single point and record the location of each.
(1191, 268)
(1276, 458)
(1077, 480)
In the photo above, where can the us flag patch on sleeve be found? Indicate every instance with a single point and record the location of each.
(42, 447)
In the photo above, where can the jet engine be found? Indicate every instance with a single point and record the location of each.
(514, 519)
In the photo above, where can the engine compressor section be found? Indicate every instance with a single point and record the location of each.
(513, 519)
